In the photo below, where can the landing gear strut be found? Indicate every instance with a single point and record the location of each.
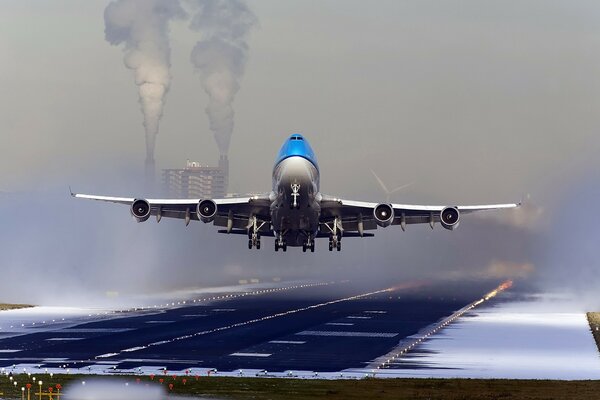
(254, 233)
(335, 237)
(280, 242)
(309, 244)
(295, 194)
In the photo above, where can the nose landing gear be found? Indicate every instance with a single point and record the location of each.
(295, 194)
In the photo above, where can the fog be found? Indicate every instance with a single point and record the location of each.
(473, 102)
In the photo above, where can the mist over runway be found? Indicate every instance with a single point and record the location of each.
(310, 326)
(297, 329)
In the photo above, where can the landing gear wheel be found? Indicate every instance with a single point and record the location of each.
(258, 244)
(304, 248)
(330, 246)
(276, 245)
(312, 247)
(250, 243)
(284, 246)
(339, 246)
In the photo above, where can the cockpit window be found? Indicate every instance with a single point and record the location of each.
(296, 138)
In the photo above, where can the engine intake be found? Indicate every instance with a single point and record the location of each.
(383, 214)
(140, 209)
(450, 217)
(207, 209)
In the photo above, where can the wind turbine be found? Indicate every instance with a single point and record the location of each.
(388, 193)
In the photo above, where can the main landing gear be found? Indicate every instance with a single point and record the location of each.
(309, 244)
(335, 237)
(280, 243)
(335, 242)
(254, 233)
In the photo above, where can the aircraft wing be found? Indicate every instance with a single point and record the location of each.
(359, 216)
(232, 213)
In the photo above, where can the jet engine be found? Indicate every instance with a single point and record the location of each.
(140, 209)
(384, 214)
(207, 209)
(450, 217)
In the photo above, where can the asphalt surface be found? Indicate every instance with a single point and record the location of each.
(317, 328)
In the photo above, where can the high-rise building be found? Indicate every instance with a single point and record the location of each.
(197, 181)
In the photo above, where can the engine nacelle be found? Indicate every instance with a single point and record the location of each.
(383, 214)
(207, 210)
(140, 209)
(450, 217)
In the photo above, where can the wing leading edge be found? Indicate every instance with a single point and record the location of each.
(232, 213)
(360, 216)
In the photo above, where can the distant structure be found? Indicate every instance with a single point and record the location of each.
(197, 181)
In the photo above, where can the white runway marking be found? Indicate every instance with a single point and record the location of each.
(356, 317)
(265, 318)
(97, 330)
(9, 351)
(134, 349)
(348, 334)
(340, 323)
(107, 355)
(375, 312)
(223, 309)
(57, 339)
(287, 342)
(250, 354)
(194, 315)
(160, 322)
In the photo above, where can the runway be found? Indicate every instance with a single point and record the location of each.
(312, 330)
(324, 327)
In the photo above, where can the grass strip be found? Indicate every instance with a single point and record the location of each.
(304, 389)
(7, 306)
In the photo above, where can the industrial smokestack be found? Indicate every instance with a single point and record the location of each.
(224, 167)
(220, 58)
(143, 27)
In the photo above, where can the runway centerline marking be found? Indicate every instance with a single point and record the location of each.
(160, 322)
(287, 341)
(250, 354)
(349, 334)
(265, 318)
(340, 323)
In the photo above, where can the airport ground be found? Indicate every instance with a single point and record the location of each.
(369, 388)
(289, 329)
(7, 306)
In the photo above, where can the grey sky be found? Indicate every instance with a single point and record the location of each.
(501, 92)
(474, 101)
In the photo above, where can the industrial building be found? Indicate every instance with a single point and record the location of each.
(197, 181)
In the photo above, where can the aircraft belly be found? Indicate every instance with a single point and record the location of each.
(295, 212)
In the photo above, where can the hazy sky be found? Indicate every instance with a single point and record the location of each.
(485, 96)
(473, 101)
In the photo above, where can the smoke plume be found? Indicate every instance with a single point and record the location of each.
(143, 27)
(220, 58)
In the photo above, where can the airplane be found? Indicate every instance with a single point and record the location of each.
(295, 212)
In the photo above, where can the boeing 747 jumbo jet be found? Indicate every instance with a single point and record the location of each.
(295, 212)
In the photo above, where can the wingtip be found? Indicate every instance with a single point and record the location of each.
(71, 191)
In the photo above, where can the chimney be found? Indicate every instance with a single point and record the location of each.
(150, 174)
(224, 167)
